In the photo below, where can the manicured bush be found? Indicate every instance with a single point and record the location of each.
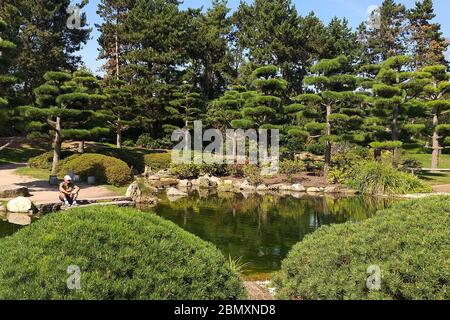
(158, 160)
(185, 171)
(409, 242)
(122, 254)
(377, 178)
(105, 169)
(44, 160)
(215, 169)
(134, 158)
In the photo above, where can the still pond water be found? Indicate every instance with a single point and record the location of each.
(259, 229)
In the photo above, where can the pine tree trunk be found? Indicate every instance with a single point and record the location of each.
(328, 143)
(119, 139)
(81, 147)
(57, 146)
(394, 129)
(117, 56)
(119, 133)
(436, 146)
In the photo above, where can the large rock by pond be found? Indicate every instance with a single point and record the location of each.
(133, 191)
(13, 191)
(21, 205)
(247, 186)
(174, 192)
(184, 184)
(205, 182)
(298, 188)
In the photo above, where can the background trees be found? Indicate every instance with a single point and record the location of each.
(6, 79)
(44, 43)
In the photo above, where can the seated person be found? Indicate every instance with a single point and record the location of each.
(68, 192)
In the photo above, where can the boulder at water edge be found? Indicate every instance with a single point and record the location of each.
(21, 205)
(133, 191)
(13, 191)
(174, 192)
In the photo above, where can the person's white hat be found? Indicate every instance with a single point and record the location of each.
(68, 178)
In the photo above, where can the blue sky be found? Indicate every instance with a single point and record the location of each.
(354, 10)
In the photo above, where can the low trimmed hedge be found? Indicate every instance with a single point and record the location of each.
(158, 160)
(44, 160)
(122, 254)
(105, 169)
(410, 243)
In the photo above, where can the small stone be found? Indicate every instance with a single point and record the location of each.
(206, 183)
(154, 178)
(313, 190)
(184, 184)
(285, 187)
(217, 180)
(169, 181)
(246, 186)
(298, 188)
(21, 205)
(174, 192)
(262, 187)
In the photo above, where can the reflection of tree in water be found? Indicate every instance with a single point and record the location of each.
(262, 229)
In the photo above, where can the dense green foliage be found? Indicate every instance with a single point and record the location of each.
(158, 161)
(409, 242)
(121, 253)
(104, 168)
(378, 178)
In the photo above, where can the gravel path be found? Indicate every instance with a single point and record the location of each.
(41, 191)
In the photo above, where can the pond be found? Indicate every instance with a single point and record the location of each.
(262, 229)
(258, 229)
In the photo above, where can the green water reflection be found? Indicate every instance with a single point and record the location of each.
(262, 229)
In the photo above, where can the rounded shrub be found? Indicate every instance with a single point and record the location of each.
(409, 243)
(121, 254)
(44, 160)
(105, 169)
(158, 160)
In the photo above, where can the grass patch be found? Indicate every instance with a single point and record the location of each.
(121, 191)
(425, 160)
(36, 173)
(18, 155)
(435, 178)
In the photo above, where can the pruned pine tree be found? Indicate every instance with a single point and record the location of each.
(263, 106)
(89, 125)
(395, 93)
(437, 95)
(60, 104)
(118, 109)
(6, 78)
(336, 117)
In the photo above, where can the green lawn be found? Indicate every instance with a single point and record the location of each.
(435, 178)
(425, 160)
(18, 155)
(40, 174)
